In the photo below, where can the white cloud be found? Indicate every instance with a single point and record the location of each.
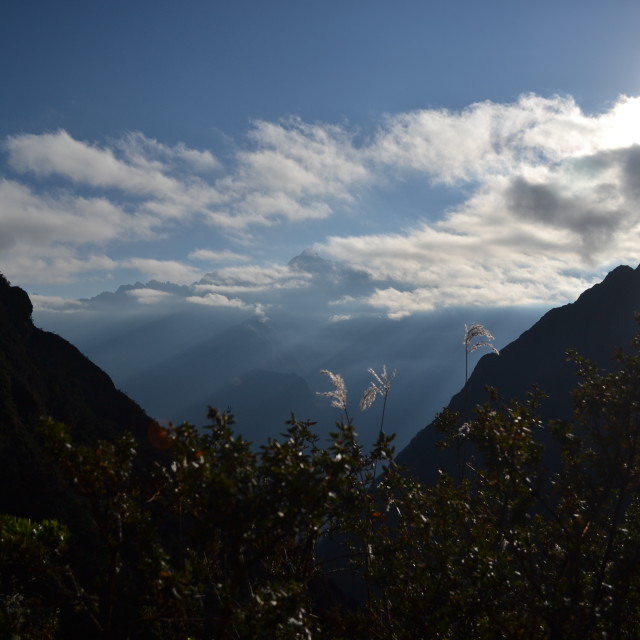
(269, 208)
(548, 191)
(219, 300)
(252, 279)
(489, 138)
(488, 287)
(300, 158)
(556, 192)
(490, 252)
(209, 255)
(163, 270)
(52, 265)
(153, 179)
(60, 154)
(148, 296)
(150, 154)
(29, 218)
(55, 303)
(294, 172)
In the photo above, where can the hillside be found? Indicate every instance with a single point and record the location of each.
(41, 374)
(448, 545)
(598, 322)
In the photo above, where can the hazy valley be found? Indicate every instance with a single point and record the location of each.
(175, 357)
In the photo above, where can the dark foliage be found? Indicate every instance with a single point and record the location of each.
(43, 375)
(221, 541)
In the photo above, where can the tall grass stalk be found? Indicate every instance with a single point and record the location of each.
(475, 337)
(476, 330)
(379, 386)
(338, 396)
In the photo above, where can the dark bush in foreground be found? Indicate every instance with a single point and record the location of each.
(220, 541)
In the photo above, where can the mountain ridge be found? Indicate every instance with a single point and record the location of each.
(41, 374)
(598, 322)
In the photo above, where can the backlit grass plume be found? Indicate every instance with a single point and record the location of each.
(471, 344)
(380, 385)
(475, 337)
(339, 394)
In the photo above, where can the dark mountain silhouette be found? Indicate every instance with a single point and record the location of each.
(261, 401)
(180, 387)
(595, 325)
(248, 366)
(41, 374)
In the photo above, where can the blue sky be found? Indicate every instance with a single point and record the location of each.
(446, 152)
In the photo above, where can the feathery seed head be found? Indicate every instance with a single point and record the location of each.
(476, 330)
(368, 397)
(380, 385)
(339, 394)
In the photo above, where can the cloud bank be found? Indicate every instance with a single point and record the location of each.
(548, 201)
